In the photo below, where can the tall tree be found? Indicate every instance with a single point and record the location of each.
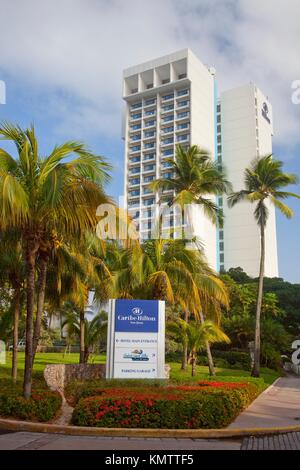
(264, 181)
(195, 335)
(12, 273)
(38, 195)
(197, 179)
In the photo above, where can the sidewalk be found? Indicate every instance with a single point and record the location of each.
(279, 405)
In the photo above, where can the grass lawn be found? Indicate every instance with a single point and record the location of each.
(223, 375)
(42, 359)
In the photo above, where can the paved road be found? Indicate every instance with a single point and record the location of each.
(40, 441)
(277, 406)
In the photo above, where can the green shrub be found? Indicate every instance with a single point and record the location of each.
(223, 359)
(42, 406)
(206, 405)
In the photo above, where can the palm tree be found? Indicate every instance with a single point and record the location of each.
(195, 335)
(264, 181)
(94, 330)
(58, 193)
(197, 179)
(12, 272)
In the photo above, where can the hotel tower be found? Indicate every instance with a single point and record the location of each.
(172, 100)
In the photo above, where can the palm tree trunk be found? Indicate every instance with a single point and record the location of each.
(185, 348)
(17, 308)
(210, 361)
(40, 303)
(193, 364)
(30, 256)
(256, 365)
(82, 342)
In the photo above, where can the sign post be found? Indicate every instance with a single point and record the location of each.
(136, 339)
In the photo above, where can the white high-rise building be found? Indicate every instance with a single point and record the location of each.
(172, 100)
(169, 101)
(244, 131)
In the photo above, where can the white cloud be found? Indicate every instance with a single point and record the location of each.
(81, 47)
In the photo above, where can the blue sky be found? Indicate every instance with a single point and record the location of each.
(62, 63)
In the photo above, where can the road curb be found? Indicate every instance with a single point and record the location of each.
(17, 426)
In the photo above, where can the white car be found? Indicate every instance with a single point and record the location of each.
(21, 345)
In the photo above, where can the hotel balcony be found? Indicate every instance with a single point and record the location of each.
(167, 110)
(182, 116)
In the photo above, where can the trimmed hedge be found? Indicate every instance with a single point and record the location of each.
(42, 406)
(222, 359)
(205, 405)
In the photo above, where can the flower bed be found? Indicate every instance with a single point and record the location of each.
(42, 406)
(204, 405)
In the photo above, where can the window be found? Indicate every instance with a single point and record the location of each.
(134, 171)
(150, 113)
(168, 97)
(134, 90)
(136, 105)
(148, 202)
(167, 152)
(149, 145)
(219, 148)
(182, 92)
(184, 125)
(134, 181)
(168, 129)
(165, 80)
(220, 201)
(147, 191)
(219, 158)
(221, 246)
(168, 118)
(218, 108)
(135, 148)
(150, 123)
(219, 128)
(219, 139)
(222, 258)
(219, 118)
(150, 85)
(136, 127)
(134, 159)
(147, 213)
(221, 235)
(136, 116)
(170, 140)
(182, 103)
(169, 107)
(149, 167)
(182, 115)
(149, 134)
(222, 268)
(136, 137)
(182, 137)
(149, 156)
(148, 179)
(136, 192)
(168, 175)
(167, 164)
(133, 203)
(149, 102)
(181, 76)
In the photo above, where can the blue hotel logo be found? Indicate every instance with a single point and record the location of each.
(137, 311)
(136, 316)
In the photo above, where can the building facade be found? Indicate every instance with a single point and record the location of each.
(169, 101)
(244, 131)
(172, 100)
